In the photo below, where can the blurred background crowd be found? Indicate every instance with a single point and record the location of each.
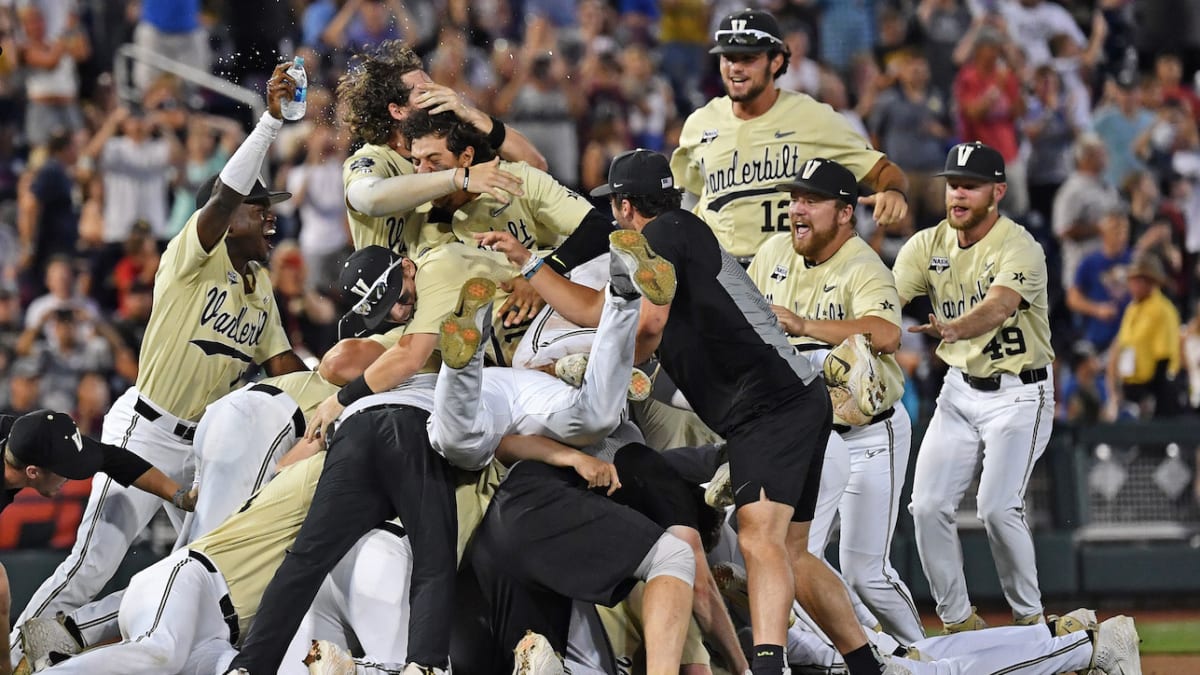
(1092, 103)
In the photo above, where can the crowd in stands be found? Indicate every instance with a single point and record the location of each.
(1091, 102)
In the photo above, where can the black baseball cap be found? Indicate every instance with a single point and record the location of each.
(637, 172)
(258, 193)
(974, 160)
(823, 177)
(371, 281)
(747, 32)
(51, 440)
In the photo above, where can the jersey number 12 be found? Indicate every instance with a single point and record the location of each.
(775, 215)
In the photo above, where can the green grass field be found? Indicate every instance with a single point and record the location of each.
(1170, 637)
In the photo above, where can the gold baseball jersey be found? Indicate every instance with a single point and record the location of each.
(852, 284)
(377, 161)
(205, 329)
(249, 546)
(307, 388)
(956, 279)
(623, 626)
(441, 273)
(733, 164)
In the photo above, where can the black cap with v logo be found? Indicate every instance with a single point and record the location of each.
(823, 177)
(975, 160)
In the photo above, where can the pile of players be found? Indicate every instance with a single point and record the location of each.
(478, 479)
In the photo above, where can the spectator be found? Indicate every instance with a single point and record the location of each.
(651, 102)
(1155, 230)
(847, 30)
(944, 23)
(1168, 71)
(315, 19)
(138, 265)
(990, 104)
(10, 319)
(48, 220)
(607, 138)
(92, 400)
(683, 45)
(324, 232)
(1051, 131)
(1032, 24)
(1079, 204)
(308, 317)
(51, 81)
(1146, 354)
(543, 105)
(1191, 359)
(1173, 131)
(1083, 393)
(802, 74)
(911, 122)
(135, 167)
(132, 320)
(24, 388)
(1118, 123)
(210, 142)
(66, 355)
(1075, 66)
(61, 294)
(1101, 289)
(362, 24)
(458, 64)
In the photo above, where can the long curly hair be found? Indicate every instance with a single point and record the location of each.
(373, 82)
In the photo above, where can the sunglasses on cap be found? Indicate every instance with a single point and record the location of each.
(747, 37)
(375, 293)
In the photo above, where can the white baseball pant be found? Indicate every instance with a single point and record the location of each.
(1009, 429)
(238, 442)
(172, 621)
(869, 508)
(476, 406)
(115, 515)
(362, 604)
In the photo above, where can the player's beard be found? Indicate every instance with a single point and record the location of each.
(974, 216)
(816, 241)
(756, 87)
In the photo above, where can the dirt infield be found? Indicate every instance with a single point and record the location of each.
(1170, 664)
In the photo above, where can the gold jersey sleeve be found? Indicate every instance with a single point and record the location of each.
(307, 388)
(205, 329)
(626, 634)
(249, 546)
(956, 279)
(390, 231)
(852, 284)
(473, 492)
(540, 219)
(733, 164)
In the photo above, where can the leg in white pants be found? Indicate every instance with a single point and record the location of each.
(171, 607)
(114, 515)
(238, 442)
(869, 507)
(470, 418)
(945, 466)
(1028, 650)
(363, 603)
(1015, 424)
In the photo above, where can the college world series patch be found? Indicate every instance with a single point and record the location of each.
(939, 264)
(362, 165)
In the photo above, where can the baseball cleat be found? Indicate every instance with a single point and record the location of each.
(417, 669)
(463, 330)
(1074, 621)
(893, 667)
(23, 667)
(637, 270)
(854, 366)
(719, 492)
(972, 622)
(571, 368)
(535, 656)
(1031, 620)
(640, 386)
(327, 658)
(1116, 647)
(42, 635)
(731, 582)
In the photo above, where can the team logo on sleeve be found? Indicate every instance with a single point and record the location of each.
(708, 136)
(780, 273)
(1019, 277)
(939, 264)
(362, 165)
(232, 276)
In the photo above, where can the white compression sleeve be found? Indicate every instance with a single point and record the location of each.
(381, 196)
(241, 171)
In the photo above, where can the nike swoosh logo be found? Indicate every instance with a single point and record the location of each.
(830, 287)
(874, 451)
(783, 134)
(740, 488)
(498, 210)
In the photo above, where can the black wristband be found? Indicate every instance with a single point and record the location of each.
(354, 390)
(497, 135)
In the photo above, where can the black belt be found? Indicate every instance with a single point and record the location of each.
(146, 410)
(297, 416)
(992, 383)
(394, 528)
(885, 415)
(228, 613)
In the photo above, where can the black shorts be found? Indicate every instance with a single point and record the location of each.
(780, 452)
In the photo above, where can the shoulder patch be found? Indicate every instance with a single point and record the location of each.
(939, 264)
(362, 165)
(708, 136)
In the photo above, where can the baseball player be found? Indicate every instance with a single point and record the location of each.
(722, 345)
(826, 285)
(735, 150)
(214, 315)
(986, 278)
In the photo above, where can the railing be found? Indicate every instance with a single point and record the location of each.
(127, 90)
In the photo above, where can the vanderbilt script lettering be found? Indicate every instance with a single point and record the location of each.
(234, 327)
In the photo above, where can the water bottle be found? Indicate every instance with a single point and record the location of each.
(294, 109)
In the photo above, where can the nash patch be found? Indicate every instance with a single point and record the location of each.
(708, 136)
(780, 273)
(939, 264)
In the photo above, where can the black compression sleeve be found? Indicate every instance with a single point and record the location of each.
(588, 240)
(122, 465)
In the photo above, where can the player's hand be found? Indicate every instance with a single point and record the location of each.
(505, 243)
(186, 501)
(792, 323)
(597, 473)
(280, 88)
(523, 302)
(435, 98)
(890, 207)
(1106, 311)
(932, 329)
(322, 421)
(490, 178)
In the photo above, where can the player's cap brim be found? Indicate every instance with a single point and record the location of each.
(805, 186)
(973, 175)
(742, 49)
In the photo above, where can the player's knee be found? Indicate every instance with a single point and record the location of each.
(930, 508)
(994, 513)
(670, 556)
(859, 569)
